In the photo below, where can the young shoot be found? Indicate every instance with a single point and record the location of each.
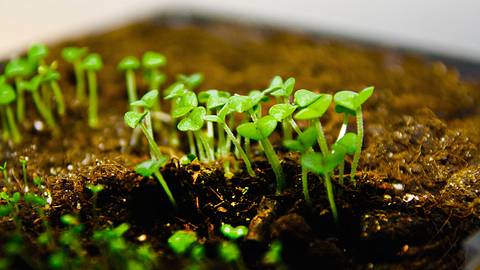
(303, 144)
(74, 55)
(50, 77)
(283, 90)
(151, 63)
(7, 97)
(19, 69)
(182, 241)
(135, 119)
(349, 102)
(152, 167)
(37, 54)
(92, 64)
(24, 161)
(312, 107)
(233, 233)
(128, 65)
(33, 87)
(147, 102)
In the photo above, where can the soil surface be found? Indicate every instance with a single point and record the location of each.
(418, 183)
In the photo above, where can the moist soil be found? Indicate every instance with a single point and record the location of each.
(418, 185)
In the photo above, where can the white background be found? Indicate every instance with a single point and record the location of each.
(450, 27)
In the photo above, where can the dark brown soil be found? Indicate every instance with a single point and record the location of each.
(419, 179)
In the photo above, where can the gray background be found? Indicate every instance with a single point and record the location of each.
(448, 27)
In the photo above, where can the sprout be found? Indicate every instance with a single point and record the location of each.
(129, 64)
(230, 253)
(274, 254)
(191, 81)
(233, 233)
(19, 69)
(7, 96)
(313, 106)
(95, 189)
(349, 102)
(182, 241)
(74, 55)
(32, 86)
(304, 144)
(152, 167)
(151, 63)
(50, 77)
(280, 89)
(134, 119)
(37, 53)
(260, 130)
(92, 63)
(24, 162)
(146, 102)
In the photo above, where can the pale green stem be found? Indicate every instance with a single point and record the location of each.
(191, 143)
(248, 150)
(294, 125)
(16, 137)
(165, 187)
(275, 163)
(341, 166)
(92, 99)
(286, 128)
(154, 150)
(242, 153)
(80, 80)
(57, 92)
(358, 145)
(20, 101)
(221, 151)
(148, 124)
(201, 150)
(322, 142)
(5, 128)
(331, 198)
(131, 88)
(210, 131)
(43, 110)
(210, 153)
(305, 186)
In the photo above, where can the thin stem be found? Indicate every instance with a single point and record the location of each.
(242, 153)
(201, 150)
(221, 151)
(131, 88)
(12, 126)
(358, 144)
(191, 143)
(154, 150)
(305, 186)
(208, 148)
(92, 99)
(275, 163)
(286, 128)
(322, 142)
(80, 79)
(58, 97)
(43, 110)
(24, 173)
(248, 150)
(46, 96)
(5, 128)
(148, 124)
(165, 187)
(331, 198)
(210, 131)
(20, 101)
(343, 130)
(294, 125)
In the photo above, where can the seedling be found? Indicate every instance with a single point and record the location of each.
(312, 107)
(32, 86)
(274, 254)
(92, 63)
(19, 69)
(229, 252)
(128, 65)
(71, 241)
(260, 130)
(24, 161)
(50, 76)
(233, 233)
(37, 53)
(324, 165)
(74, 55)
(152, 62)
(182, 241)
(95, 189)
(3, 168)
(10, 130)
(283, 90)
(192, 81)
(112, 238)
(135, 119)
(147, 102)
(152, 167)
(349, 102)
(304, 144)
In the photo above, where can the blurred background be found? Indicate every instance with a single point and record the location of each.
(445, 27)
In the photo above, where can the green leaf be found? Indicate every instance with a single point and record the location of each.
(7, 94)
(151, 60)
(49, 73)
(217, 100)
(240, 103)
(212, 118)
(147, 101)
(128, 63)
(70, 220)
(191, 82)
(309, 137)
(194, 121)
(181, 241)
(19, 67)
(133, 119)
(175, 90)
(304, 97)
(315, 109)
(185, 104)
(229, 252)
(281, 111)
(149, 167)
(5, 210)
(294, 145)
(33, 84)
(15, 197)
(233, 233)
(347, 144)
(37, 52)
(187, 159)
(286, 88)
(34, 199)
(316, 163)
(277, 82)
(95, 188)
(259, 130)
(364, 95)
(345, 102)
(93, 62)
(72, 54)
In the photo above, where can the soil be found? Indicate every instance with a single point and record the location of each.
(418, 184)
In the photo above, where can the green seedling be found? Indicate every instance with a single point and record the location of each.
(50, 76)
(92, 64)
(283, 90)
(10, 129)
(151, 63)
(74, 55)
(304, 144)
(187, 159)
(147, 102)
(312, 107)
(229, 252)
(274, 255)
(71, 241)
(24, 161)
(33, 86)
(182, 241)
(193, 122)
(128, 65)
(260, 130)
(191, 82)
(213, 100)
(324, 165)
(6, 180)
(112, 238)
(135, 119)
(233, 233)
(349, 102)
(152, 167)
(95, 189)
(37, 54)
(19, 69)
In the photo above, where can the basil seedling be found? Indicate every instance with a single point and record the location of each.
(50, 76)
(32, 86)
(152, 167)
(92, 64)
(7, 97)
(128, 65)
(19, 69)
(74, 55)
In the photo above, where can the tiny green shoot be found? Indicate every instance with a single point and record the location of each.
(33, 86)
(128, 65)
(74, 55)
(37, 53)
(92, 64)
(233, 233)
(181, 241)
(19, 69)
(7, 96)
(50, 76)
(152, 167)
